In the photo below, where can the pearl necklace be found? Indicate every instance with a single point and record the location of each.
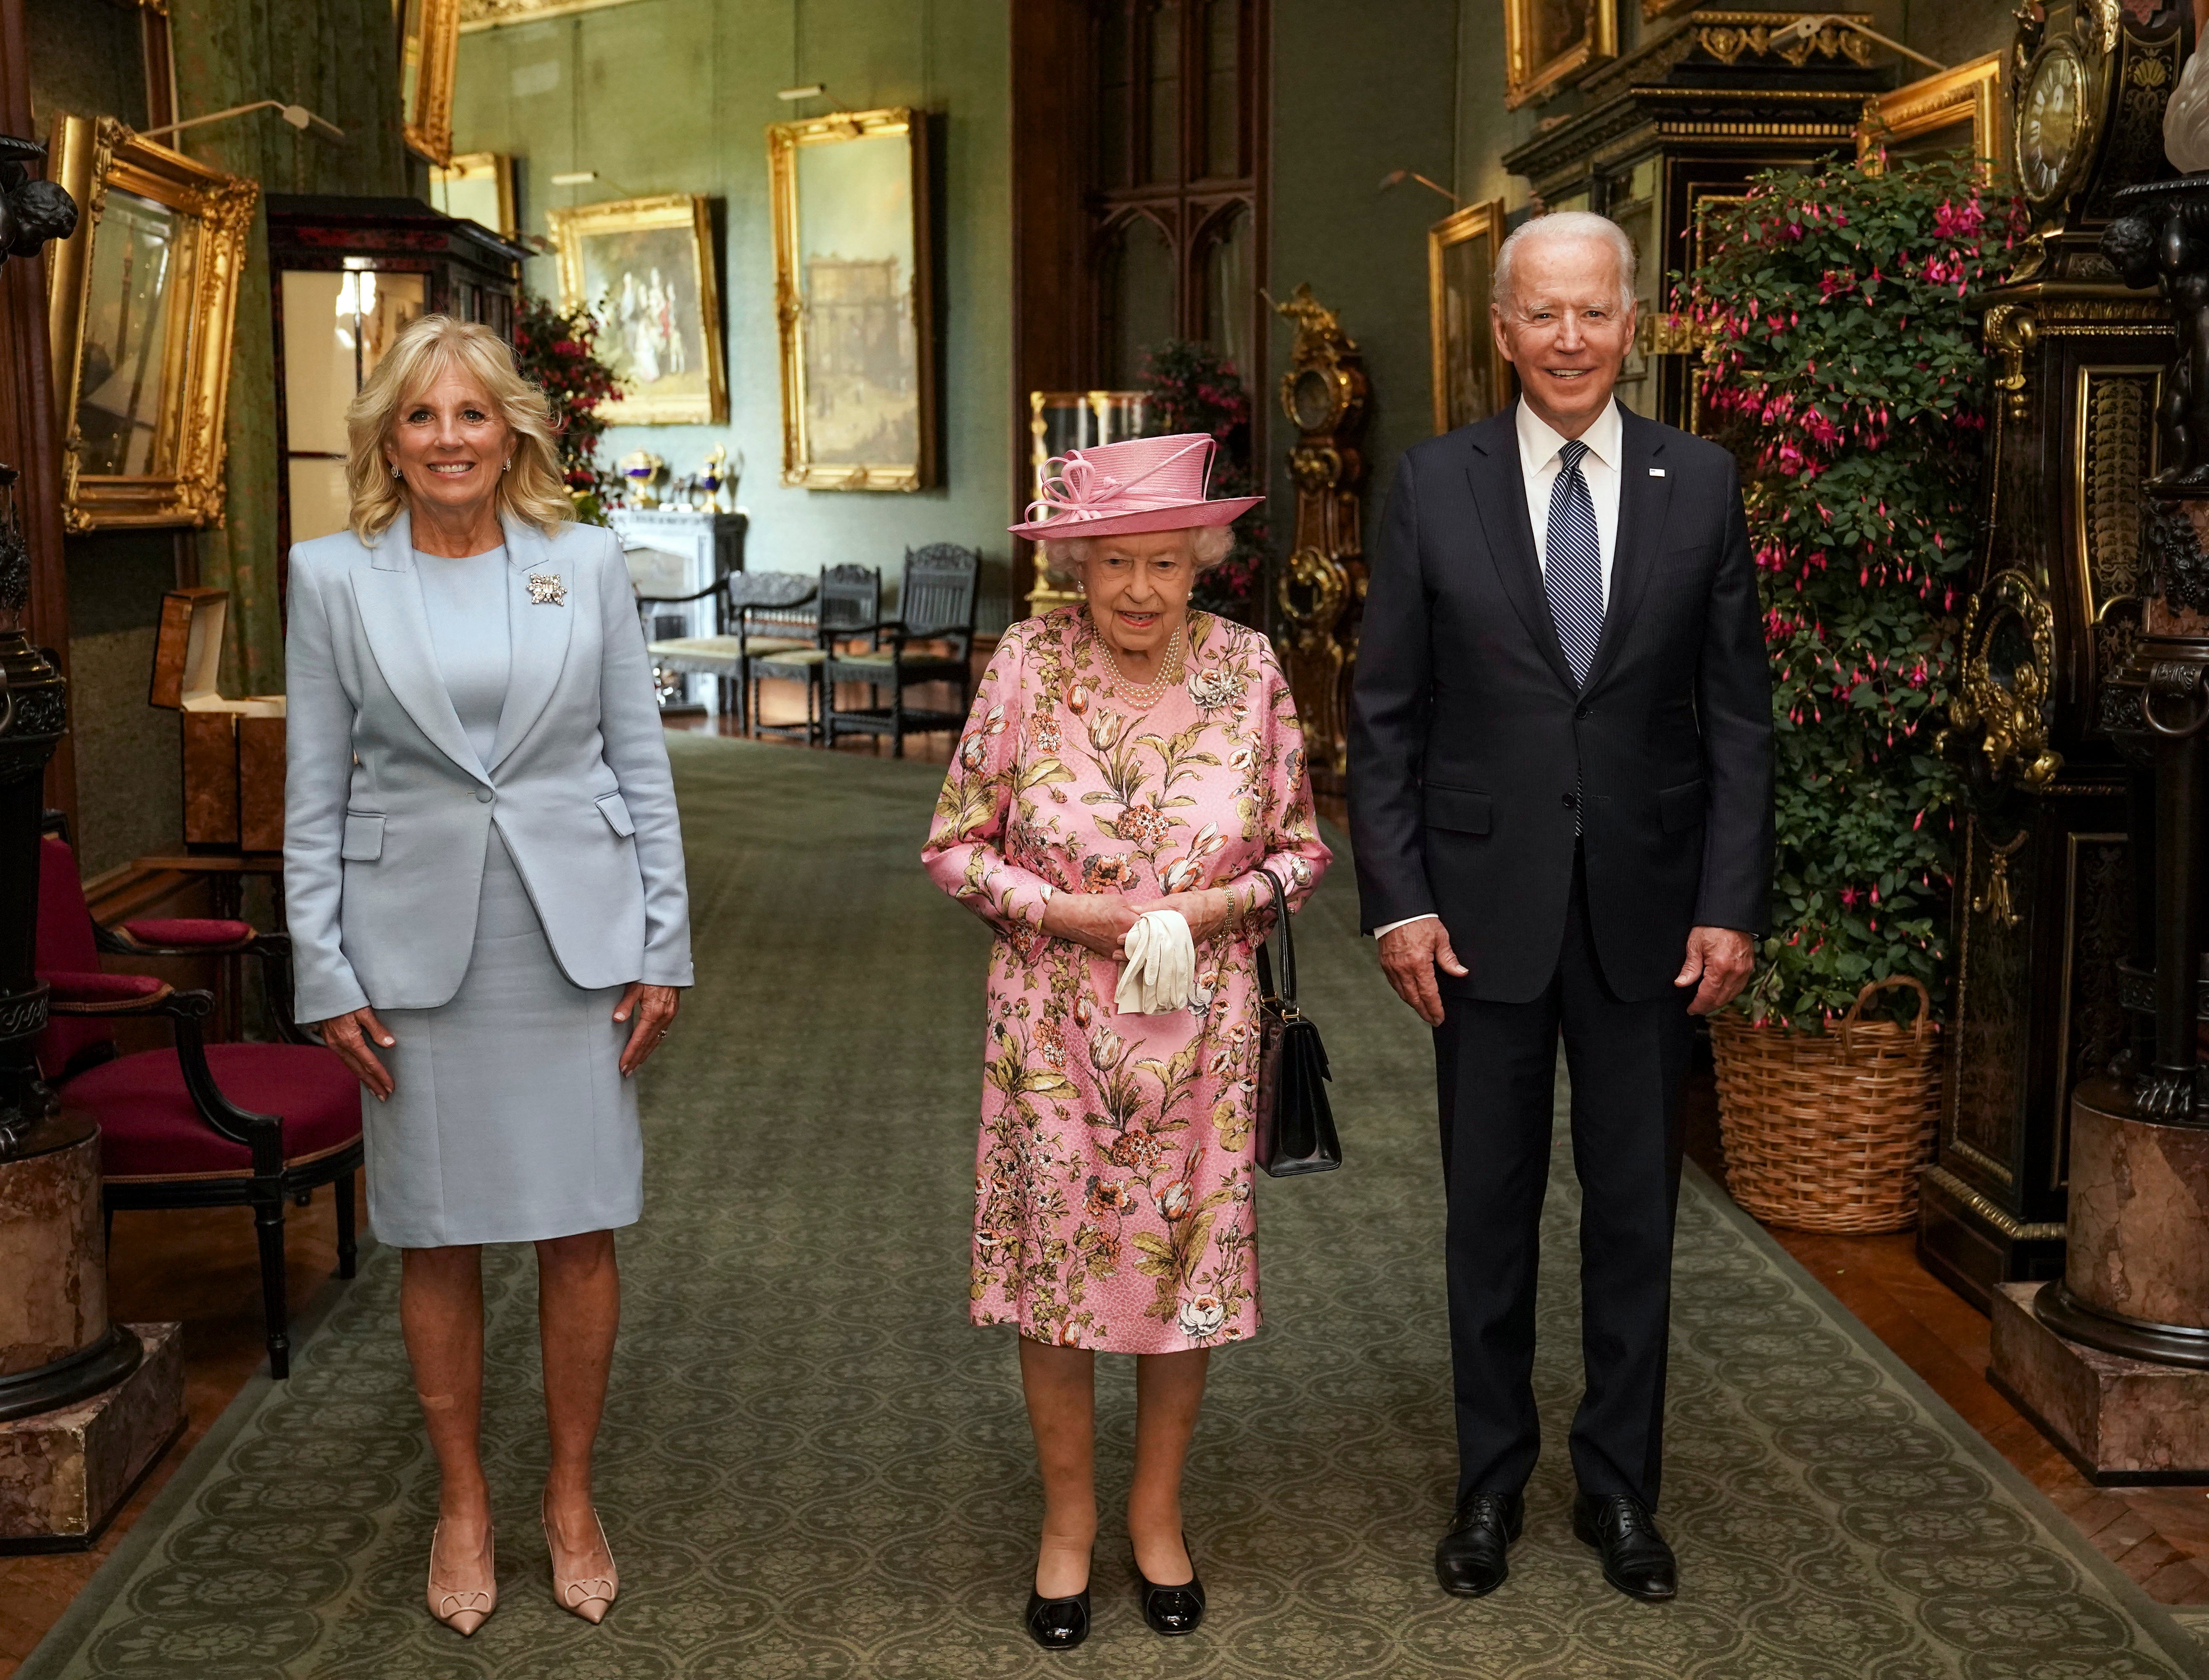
(1144, 697)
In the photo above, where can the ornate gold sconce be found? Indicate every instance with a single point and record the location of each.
(2009, 656)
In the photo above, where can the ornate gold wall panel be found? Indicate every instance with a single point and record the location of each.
(2117, 450)
(1322, 587)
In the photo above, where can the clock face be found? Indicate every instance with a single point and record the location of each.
(1312, 399)
(2053, 121)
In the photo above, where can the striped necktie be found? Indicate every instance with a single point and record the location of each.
(1572, 572)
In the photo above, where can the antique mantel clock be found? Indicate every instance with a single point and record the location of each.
(2043, 900)
(1322, 586)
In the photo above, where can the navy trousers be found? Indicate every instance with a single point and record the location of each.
(1496, 1065)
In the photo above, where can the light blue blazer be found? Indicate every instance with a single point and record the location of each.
(387, 809)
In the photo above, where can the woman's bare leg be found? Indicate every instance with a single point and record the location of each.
(1169, 1393)
(441, 1317)
(1060, 1383)
(578, 1315)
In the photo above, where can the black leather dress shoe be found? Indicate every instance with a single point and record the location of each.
(1636, 1559)
(1470, 1560)
(1172, 1610)
(1058, 1624)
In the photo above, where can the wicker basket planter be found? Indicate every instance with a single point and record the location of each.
(1830, 1131)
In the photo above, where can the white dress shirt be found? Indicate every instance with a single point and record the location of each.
(1539, 464)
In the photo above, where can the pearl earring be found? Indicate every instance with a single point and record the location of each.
(508, 467)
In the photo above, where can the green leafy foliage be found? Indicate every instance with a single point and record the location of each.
(1842, 366)
(556, 350)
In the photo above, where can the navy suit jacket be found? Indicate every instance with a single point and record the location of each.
(1472, 750)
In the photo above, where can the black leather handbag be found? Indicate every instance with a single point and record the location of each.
(1296, 1123)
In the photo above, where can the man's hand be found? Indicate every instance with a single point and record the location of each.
(1722, 959)
(1409, 957)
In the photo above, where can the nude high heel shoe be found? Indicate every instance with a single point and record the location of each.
(588, 1596)
(463, 1609)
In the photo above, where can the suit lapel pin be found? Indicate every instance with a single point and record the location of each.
(1656, 473)
(546, 590)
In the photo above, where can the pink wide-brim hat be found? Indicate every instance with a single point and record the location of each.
(1119, 490)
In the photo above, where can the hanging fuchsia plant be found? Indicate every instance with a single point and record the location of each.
(1843, 368)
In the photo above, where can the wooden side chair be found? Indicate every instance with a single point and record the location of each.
(935, 604)
(759, 613)
(848, 603)
(196, 1125)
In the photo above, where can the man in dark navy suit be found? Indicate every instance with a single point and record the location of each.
(1561, 802)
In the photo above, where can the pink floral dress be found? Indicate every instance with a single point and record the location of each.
(1113, 1182)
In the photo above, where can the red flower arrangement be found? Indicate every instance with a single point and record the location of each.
(556, 350)
(1194, 388)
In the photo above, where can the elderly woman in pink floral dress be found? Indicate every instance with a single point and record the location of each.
(1124, 756)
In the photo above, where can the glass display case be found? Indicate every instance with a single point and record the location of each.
(348, 274)
(1062, 420)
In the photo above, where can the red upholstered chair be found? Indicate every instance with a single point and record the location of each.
(198, 1125)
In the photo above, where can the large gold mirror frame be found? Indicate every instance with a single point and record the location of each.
(1958, 113)
(429, 57)
(852, 299)
(141, 303)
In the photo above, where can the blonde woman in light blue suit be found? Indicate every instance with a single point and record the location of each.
(483, 874)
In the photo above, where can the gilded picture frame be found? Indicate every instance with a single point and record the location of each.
(1957, 111)
(645, 268)
(854, 300)
(478, 186)
(429, 57)
(142, 304)
(1471, 379)
(1549, 44)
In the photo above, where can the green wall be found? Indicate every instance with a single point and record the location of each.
(662, 96)
(335, 57)
(1351, 103)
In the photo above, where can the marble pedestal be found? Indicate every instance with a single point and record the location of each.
(2119, 1419)
(2112, 1361)
(65, 1473)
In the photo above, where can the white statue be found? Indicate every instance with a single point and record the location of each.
(2186, 118)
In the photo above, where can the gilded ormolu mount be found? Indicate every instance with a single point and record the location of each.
(1322, 584)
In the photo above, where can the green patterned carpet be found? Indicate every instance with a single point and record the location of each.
(813, 1467)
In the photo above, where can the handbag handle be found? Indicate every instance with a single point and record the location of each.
(1288, 992)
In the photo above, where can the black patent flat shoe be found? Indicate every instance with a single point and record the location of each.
(1172, 1610)
(1058, 1624)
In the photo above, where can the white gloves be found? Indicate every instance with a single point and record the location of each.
(1161, 967)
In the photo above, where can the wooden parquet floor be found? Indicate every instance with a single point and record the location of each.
(200, 1266)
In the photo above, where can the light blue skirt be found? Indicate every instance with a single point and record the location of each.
(509, 1120)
